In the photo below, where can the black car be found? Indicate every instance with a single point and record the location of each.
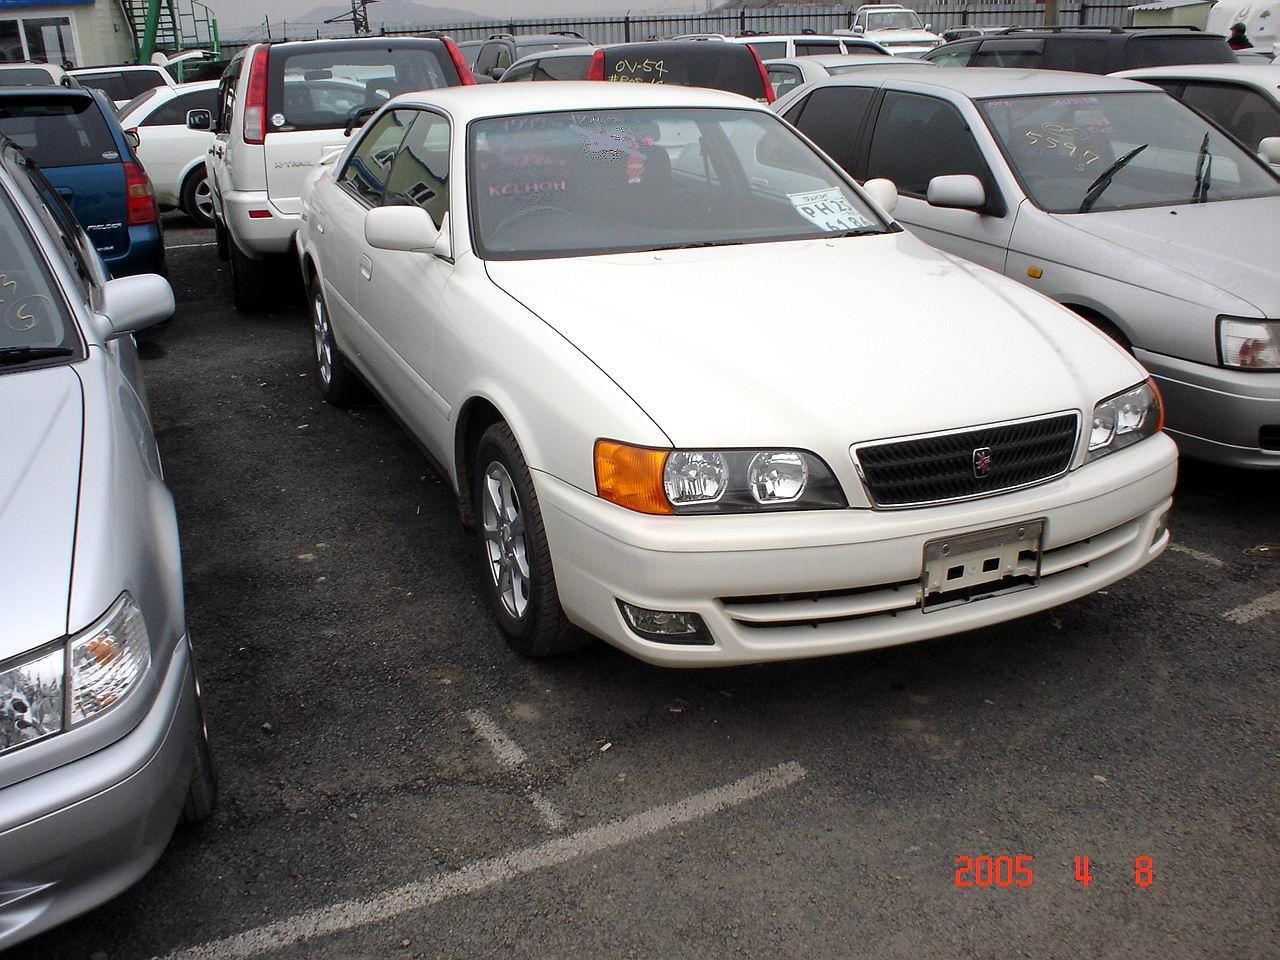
(1084, 49)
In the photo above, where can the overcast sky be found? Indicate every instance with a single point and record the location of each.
(237, 13)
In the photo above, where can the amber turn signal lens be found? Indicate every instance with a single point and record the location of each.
(1151, 382)
(631, 477)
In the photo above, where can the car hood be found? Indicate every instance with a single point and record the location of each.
(39, 486)
(818, 343)
(1233, 245)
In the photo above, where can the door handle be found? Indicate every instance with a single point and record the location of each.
(366, 267)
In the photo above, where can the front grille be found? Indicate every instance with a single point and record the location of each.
(941, 467)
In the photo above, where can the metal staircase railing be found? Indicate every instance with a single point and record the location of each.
(164, 26)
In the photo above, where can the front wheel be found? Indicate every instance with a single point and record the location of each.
(197, 199)
(202, 792)
(338, 384)
(518, 575)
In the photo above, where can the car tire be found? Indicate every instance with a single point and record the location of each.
(518, 576)
(338, 383)
(220, 239)
(196, 199)
(202, 793)
(248, 280)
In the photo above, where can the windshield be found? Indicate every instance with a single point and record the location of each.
(59, 132)
(1120, 151)
(897, 20)
(576, 184)
(33, 314)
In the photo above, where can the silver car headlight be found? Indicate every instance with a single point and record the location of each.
(1249, 344)
(1124, 419)
(76, 680)
(660, 481)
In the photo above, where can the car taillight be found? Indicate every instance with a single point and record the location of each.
(764, 75)
(141, 198)
(255, 99)
(465, 76)
(596, 70)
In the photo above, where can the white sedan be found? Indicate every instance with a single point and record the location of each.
(172, 153)
(581, 298)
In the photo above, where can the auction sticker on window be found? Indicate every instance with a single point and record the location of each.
(828, 210)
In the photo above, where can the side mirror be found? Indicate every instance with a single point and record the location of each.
(131, 304)
(199, 120)
(960, 191)
(1269, 150)
(497, 72)
(859, 30)
(405, 228)
(131, 137)
(883, 193)
(928, 28)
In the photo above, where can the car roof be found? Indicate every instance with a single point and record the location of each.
(580, 50)
(30, 64)
(52, 90)
(849, 59)
(469, 103)
(116, 67)
(1255, 75)
(977, 82)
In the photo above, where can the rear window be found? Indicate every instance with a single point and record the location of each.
(67, 132)
(317, 86)
(24, 76)
(122, 84)
(720, 66)
(1171, 51)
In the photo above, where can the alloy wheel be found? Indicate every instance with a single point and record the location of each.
(324, 341)
(504, 539)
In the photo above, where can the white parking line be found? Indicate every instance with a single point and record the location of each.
(505, 750)
(550, 815)
(1251, 611)
(1203, 557)
(483, 874)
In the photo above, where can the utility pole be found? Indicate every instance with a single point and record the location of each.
(1050, 13)
(358, 17)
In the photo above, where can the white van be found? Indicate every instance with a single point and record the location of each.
(281, 107)
(1258, 16)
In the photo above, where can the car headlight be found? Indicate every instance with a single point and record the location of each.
(75, 680)
(714, 481)
(1249, 344)
(1124, 419)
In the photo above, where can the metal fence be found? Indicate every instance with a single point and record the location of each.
(629, 27)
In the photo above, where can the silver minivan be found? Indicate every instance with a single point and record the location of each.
(102, 741)
(1106, 195)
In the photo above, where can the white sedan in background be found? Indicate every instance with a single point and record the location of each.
(172, 153)
(788, 73)
(573, 295)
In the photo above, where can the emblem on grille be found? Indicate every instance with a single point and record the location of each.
(982, 462)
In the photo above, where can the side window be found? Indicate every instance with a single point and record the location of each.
(918, 138)
(1078, 54)
(366, 171)
(504, 57)
(420, 173)
(488, 56)
(782, 77)
(562, 68)
(833, 118)
(522, 71)
(1246, 114)
(227, 96)
(174, 113)
(816, 48)
(1009, 53)
(955, 55)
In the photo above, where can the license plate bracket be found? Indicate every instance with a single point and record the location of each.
(974, 566)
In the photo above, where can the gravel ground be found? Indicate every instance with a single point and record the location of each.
(347, 658)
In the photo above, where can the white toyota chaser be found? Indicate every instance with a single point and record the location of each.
(590, 303)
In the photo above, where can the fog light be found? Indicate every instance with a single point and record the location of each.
(1162, 527)
(662, 626)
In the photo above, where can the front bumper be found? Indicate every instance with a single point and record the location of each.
(816, 583)
(75, 837)
(258, 236)
(1217, 414)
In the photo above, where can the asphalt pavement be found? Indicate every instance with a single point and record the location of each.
(397, 783)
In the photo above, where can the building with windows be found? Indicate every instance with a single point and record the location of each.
(79, 32)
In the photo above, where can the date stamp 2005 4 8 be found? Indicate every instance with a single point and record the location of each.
(1019, 871)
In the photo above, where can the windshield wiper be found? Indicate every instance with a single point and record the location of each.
(1204, 167)
(692, 244)
(12, 355)
(1099, 186)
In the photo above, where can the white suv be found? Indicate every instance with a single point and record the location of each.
(283, 106)
(771, 46)
(897, 27)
